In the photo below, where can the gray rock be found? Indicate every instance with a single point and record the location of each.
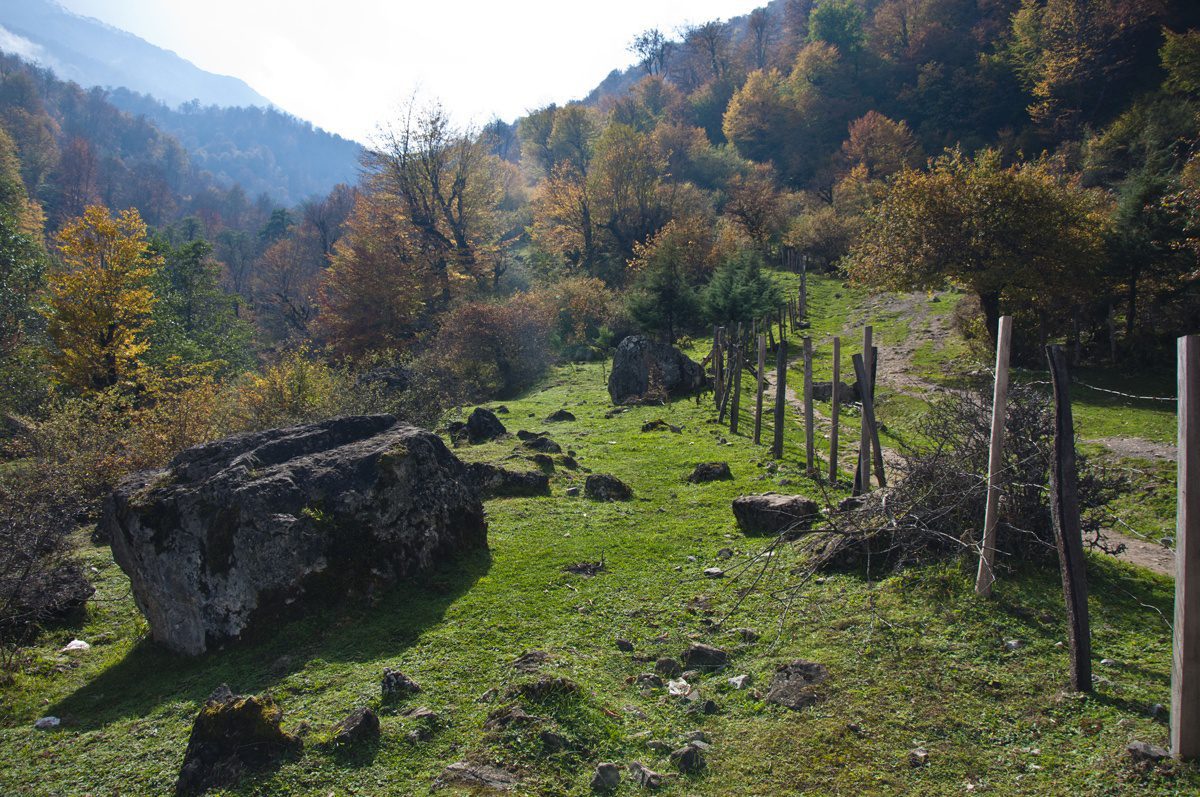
(496, 482)
(560, 416)
(530, 660)
(710, 472)
(483, 425)
(624, 645)
(231, 735)
(739, 681)
(1142, 752)
(644, 371)
(572, 491)
(553, 742)
(603, 487)
(659, 425)
(704, 657)
(696, 736)
(543, 444)
(235, 534)
(649, 679)
(47, 723)
(658, 746)
(606, 778)
(668, 667)
(688, 759)
(794, 685)
(714, 572)
(361, 726)
(748, 635)
(772, 513)
(480, 776)
(396, 684)
(644, 776)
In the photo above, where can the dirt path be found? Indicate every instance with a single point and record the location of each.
(1141, 552)
(1137, 448)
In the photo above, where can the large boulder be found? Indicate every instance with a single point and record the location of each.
(646, 371)
(232, 534)
(483, 425)
(771, 513)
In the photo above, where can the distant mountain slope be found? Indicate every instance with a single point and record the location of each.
(92, 53)
(264, 150)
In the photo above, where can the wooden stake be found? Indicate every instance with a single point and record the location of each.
(804, 287)
(737, 384)
(834, 408)
(809, 450)
(987, 555)
(1185, 662)
(876, 448)
(780, 388)
(1064, 509)
(762, 385)
(868, 417)
(864, 438)
(718, 363)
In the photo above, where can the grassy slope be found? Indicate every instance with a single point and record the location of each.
(915, 659)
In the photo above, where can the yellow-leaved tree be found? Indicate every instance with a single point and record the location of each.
(99, 300)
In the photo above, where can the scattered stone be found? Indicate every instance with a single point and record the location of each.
(525, 436)
(725, 553)
(508, 716)
(544, 462)
(705, 657)
(714, 572)
(748, 635)
(679, 687)
(644, 371)
(501, 410)
(625, 645)
(559, 416)
(76, 646)
(233, 534)
(649, 679)
(710, 472)
(1013, 644)
(660, 747)
(691, 675)
(668, 667)
(572, 491)
(588, 569)
(553, 742)
(704, 707)
(497, 482)
(568, 462)
(772, 513)
(1107, 663)
(428, 721)
(659, 425)
(696, 736)
(544, 444)
(918, 757)
(643, 776)
(530, 660)
(603, 487)
(1144, 753)
(739, 681)
(362, 725)
(232, 734)
(793, 685)
(396, 684)
(483, 425)
(483, 776)
(46, 723)
(606, 778)
(688, 759)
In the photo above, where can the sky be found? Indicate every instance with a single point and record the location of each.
(349, 65)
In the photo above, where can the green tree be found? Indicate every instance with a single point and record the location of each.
(739, 291)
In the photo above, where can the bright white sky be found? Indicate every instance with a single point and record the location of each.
(346, 65)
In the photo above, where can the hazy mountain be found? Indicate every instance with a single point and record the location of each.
(92, 53)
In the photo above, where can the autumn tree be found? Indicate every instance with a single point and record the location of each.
(882, 146)
(653, 50)
(99, 302)
(667, 270)
(1018, 236)
(753, 204)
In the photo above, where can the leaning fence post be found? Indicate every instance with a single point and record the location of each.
(868, 419)
(780, 388)
(809, 452)
(803, 287)
(737, 383)
(864, 393)
(718, 366)
(1185, 661)
(762, 384)
(834, 399)
(1064, 509)
(987, 555)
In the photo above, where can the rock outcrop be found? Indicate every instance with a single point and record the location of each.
(771, 513)
(497, 482)
(230, 535)
(603, 487)
(644, 371)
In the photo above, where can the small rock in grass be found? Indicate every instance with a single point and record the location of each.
(739, 681)
(483, 425)
(480, 776)
(659, 425)
(688, 759)
(918, 757)
(554, 742)
(748, 635)
(604, 487)
(572, 491)
(1013, 644)
(710, 472)
(704, 706)
(1107, 663)
(658, 746)
(397, 684)
(606, 778)
(530, 660)
(702, 657)
(46, 723)
(643, 776)
(362, 725)
(714, 572)
(76, 646)
(625, 645)
(696, 736)
(678, 687)
(668, 667)
(544, 444)
(649, 679)
(1141, 753)
(560, 416)
(793, 685)
(725, 553)
(1158, 710)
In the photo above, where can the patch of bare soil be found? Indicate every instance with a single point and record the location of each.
(1149, 555)
(1137, 448)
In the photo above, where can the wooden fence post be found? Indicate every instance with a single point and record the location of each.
(876, 448)
(737, 384)
(762, 385)
(864, 391)
(809, 450)
(868, 419)
(987, 555)
(1185, 661)
(1064, 509)
(780, 399)
(834, 409)
(803, 287)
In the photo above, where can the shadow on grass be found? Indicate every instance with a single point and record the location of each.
(150, 675)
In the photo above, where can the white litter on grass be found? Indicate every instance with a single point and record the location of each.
(76, 645)
(679, 688)
(45, 723)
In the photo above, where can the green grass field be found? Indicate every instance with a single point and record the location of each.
(915, 659)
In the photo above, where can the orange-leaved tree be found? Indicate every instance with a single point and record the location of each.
(98, 301)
